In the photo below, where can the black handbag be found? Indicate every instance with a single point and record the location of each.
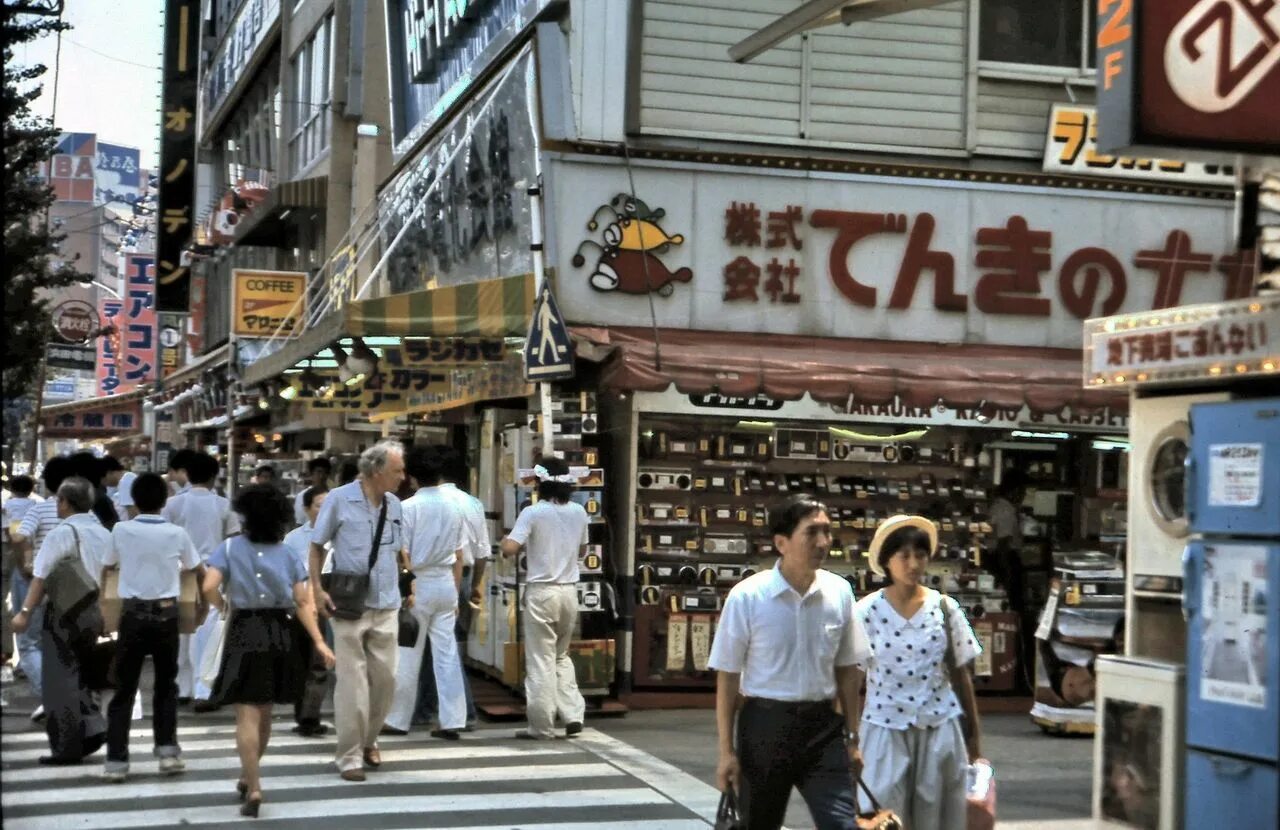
(348, 591)
(408, 636)
(727, 817)
(98, 665)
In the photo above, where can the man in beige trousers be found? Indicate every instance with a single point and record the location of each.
(365, 648)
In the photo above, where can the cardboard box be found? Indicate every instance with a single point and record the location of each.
(594, 662)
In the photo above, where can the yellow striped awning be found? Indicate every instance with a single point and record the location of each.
(492, 308)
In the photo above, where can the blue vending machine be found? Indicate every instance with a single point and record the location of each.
(1231, 595)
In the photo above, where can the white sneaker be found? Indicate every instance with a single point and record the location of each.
(6, 673)
(172, 765)
(37, 715)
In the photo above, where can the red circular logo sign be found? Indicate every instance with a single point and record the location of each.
(75, 321)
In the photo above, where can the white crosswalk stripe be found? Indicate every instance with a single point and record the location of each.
(488, 780)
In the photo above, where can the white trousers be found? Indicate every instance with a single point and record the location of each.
(550, 684)
(188, 666)
(199, 642)
(917, 773)
(436, 607)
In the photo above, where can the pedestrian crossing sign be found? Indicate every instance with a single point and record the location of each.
(548, 351)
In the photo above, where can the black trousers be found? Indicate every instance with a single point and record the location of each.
(148, 628)
(72, 720)
(783, 745)
(306, 712)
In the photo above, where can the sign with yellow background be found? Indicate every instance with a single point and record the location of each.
(269, 301)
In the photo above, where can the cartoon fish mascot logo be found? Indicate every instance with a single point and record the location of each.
(632, 241)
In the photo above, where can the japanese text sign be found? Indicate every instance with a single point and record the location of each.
(1199, 74)
(829, 255)
(139, 349)
(245, 34)
(267, 302)
(443, 351)
(1239, 339)
(1071, 146)
(119, 174)
(111, 312)
(76, 424)
(175, 211)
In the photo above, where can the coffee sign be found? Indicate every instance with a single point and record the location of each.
(75, 321)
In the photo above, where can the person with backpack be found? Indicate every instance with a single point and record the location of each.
(72, 623)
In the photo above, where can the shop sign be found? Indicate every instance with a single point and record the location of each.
(267, 302)
(385, 390)
(472, 384)
(714, 400)
(240, 44)
(90, 422)
(80, 358)
(1197, 74)
(444, 351)
(112, 313)
(1071, 146)
(175, 210)
(942, 262)
(437, 49)
(70, 172)
(465, 196)
(118, 178)
(1221, 340)
(75, 321)
(171, 338)
(60, 390)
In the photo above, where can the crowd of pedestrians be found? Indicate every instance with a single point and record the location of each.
(859, 704)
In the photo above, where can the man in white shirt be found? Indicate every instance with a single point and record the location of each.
(177, 478)
(151, 553)
(318, 470)
(306, 712)
(433, 531)
(36, 524)
(208, 520)
(120, 484)
(789, 642)
(73, 722)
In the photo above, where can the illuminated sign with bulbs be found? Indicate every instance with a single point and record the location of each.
(1240, 338)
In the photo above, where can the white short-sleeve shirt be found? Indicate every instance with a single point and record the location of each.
(907, 680)
(151, 553)
(206, 516)
(432, 529)
(552, 534)
(787, 646)
(476, 543)
(123, 497)
(95, 541)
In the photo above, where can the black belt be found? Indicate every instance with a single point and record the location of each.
(131, 602)
(789, 705)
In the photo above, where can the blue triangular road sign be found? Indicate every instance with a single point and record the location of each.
(548, 351)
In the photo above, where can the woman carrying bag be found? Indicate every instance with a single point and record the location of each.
(263, 661)
(919, 720)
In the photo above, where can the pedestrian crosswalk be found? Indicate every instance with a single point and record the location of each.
(487, 780)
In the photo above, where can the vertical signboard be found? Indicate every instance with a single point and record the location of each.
(138, 356)
(111, 312)
(177, 179)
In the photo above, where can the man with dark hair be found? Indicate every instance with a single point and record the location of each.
(208, 520)
(788, 641)
(265, 474)
(318, 470)
(348, 472)
(93, 469)
(38, 522)
(178, 462)
(73, 722)
(151, 553)
(117, 480)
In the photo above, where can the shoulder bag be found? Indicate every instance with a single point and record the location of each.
(348, 591)
(73, 595)
(878, 818)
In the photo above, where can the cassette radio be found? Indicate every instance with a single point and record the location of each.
(730, 545)
(580, 456)
(664, 480)
(583, 424)
(742, 447)
(704, 600)
(666, 573)
(843, 449)
(592, 560)
(670, 539)
(719, 514)
(802, 443)
(723, 574)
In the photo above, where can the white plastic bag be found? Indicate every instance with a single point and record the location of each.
(980, 795)
(211, 659)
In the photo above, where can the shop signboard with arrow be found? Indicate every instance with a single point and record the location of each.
(269, 301)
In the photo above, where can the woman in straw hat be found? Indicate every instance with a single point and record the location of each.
(919, 722)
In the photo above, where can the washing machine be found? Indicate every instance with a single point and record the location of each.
(1159, 433)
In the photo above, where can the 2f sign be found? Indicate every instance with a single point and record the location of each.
(1114, 31)
(1221, 50)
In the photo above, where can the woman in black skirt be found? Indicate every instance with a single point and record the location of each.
(264, 659)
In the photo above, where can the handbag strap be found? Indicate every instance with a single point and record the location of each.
(377, 535)
(949, 657)
(875, 804)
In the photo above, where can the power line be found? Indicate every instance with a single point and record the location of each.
(112, 57)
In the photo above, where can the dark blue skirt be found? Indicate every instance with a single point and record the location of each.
(264, 659)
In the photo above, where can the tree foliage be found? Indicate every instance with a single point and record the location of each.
(31, 263)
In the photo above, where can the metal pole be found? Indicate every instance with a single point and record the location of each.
(233, 361)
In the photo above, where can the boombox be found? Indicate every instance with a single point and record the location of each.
(666, 573)
(729, 545)
(679, 539)
(663, 512)
(802, 443)
(583, 424)
(722, 514)
(742, 446)
(719, 574)
(705, 599)
(664, 480)
(717, 483)
(592, 561)
(842, 449)
(580, 456)
(574, 403)
(592, 501)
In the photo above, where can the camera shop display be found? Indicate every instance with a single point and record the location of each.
(703, 488)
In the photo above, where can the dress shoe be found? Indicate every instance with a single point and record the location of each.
(391, 730)
(372, 757)
(352, 775)
(573, 729)
(446, 734)
(37, 714)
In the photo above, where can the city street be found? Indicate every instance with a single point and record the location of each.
(649, 769)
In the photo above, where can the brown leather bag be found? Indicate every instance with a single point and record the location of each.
(878, 818)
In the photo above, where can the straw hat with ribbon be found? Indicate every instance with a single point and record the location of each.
(888, 526)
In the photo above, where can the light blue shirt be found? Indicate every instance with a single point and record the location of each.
(348, 521)
(433, 528)
(257, 575)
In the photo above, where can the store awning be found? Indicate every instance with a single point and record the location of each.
(835, 371)
(192, 370)
(491, 308)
